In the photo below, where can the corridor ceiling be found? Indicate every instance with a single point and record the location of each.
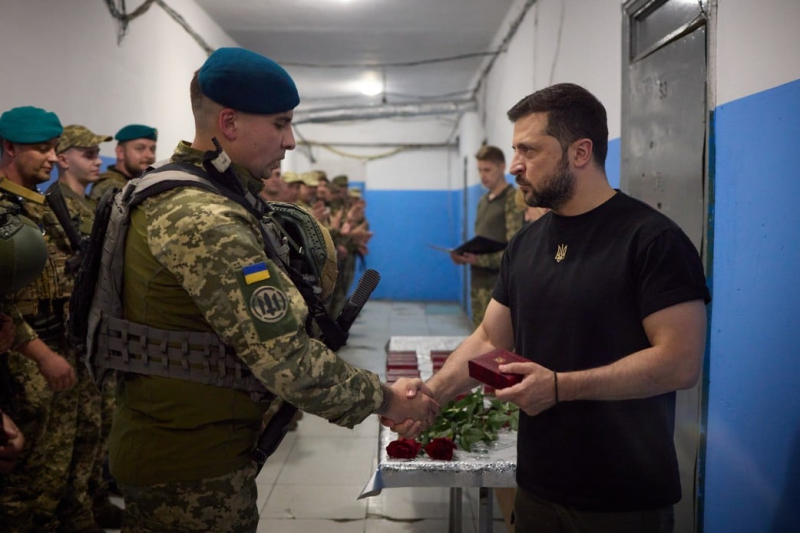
(331, 47)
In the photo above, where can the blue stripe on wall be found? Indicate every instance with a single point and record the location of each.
(613, 162)
(753, 449)
(404, 224)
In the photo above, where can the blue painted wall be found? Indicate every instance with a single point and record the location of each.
(404, 224)
(752, 465)
(613, 162)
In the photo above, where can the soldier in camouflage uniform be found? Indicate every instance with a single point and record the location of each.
(290, 190)
(309, 181)
(350, 231)
(78, 166)
(499, 219)
(43, 493)
(195, 261)
(23, 254)
(136, 150)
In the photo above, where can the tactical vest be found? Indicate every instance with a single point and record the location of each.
(293, 241)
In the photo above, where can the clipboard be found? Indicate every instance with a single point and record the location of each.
(476, 245)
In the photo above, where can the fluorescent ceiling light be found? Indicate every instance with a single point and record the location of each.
(370, 85)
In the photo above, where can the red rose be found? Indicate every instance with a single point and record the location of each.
(440, 448)
(403, 449)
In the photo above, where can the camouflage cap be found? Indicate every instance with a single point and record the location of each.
(291, 177)
(340, 181)
(77, 136)
(354, 192)
(310, 179)
(321, 175)
(28, 125)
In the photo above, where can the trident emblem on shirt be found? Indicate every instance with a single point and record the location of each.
(561, 253)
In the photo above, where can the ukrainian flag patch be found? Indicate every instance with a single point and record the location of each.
(255, 273)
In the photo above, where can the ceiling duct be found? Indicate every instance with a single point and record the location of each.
(346, 114)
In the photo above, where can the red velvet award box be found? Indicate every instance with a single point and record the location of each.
(484, 368)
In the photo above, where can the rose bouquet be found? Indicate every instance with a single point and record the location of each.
(461, 424)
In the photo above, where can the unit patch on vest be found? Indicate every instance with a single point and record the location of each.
(268, 304)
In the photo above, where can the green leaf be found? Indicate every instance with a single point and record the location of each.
(472, 419)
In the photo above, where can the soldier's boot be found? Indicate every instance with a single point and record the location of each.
(106, 514)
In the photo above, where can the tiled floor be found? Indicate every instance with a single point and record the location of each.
(311, 483)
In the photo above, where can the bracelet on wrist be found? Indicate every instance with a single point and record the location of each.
(555, 384)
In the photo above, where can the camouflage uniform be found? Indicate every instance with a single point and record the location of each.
(189, 248)
(195, 505)
(97, 409)
(347, 272)
(112, 177)
(497, 219)
(336, 300)
(48, 489)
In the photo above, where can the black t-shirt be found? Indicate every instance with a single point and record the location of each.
(578, 289)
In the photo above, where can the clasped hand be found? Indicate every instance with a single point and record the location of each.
(410, 412)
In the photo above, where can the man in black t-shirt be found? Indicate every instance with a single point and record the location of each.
(606, 297)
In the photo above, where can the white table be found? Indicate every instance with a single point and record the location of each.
(486, 468)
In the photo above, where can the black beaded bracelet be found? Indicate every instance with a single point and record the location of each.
(555, 383)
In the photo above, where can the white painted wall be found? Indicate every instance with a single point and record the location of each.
(411, 169)
(63, 56)
(757, 46)
(558, 41)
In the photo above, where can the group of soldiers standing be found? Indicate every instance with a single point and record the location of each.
(339, 208)
(55, 419)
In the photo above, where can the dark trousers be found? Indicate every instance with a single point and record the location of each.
(535, 515)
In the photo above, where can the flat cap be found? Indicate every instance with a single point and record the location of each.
(291, 177)
(136, 131)
(247, 81)
(77, 136)
(340, 181)
(28, 125)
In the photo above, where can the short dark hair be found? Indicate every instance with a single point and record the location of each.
(491, 153)
(572, 113)
(195, 93)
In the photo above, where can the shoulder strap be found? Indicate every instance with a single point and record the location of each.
(165, 178)
(57, 203)
(18, 190)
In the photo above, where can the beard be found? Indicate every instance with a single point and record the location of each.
(556, 190)
(134, 171)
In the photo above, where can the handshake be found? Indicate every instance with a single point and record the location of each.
(407, 412)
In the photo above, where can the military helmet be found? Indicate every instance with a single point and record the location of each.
(312, 248)
(23, 252)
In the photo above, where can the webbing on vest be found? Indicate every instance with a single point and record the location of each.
(192, 355)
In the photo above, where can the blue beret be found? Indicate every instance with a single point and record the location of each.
(28, 125)
(246, 81)
(136, 131)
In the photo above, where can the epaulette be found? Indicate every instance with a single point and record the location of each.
(18, 190)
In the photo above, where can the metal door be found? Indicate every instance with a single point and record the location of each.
(663, 145)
